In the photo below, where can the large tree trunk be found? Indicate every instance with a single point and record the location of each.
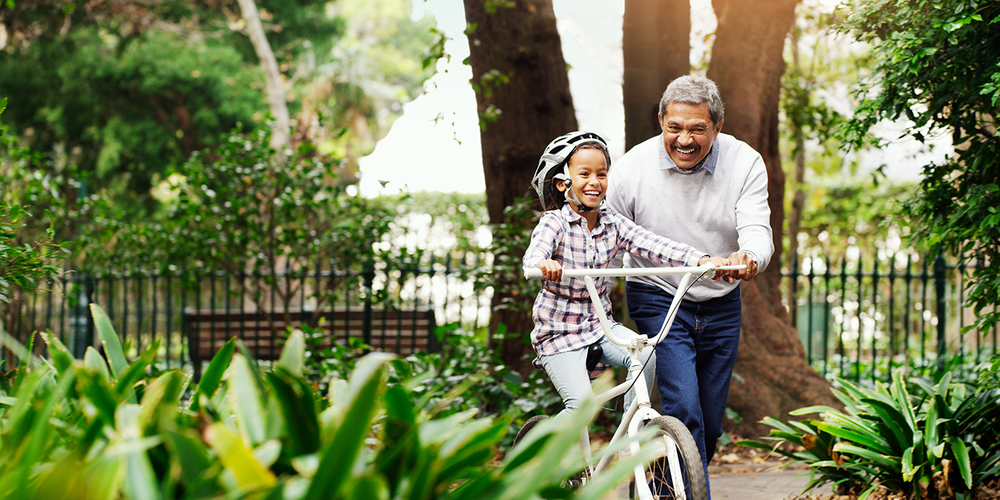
(656, 48)
(747, 65)
(522, 92)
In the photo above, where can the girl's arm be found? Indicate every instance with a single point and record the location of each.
(544, 239)
(641, 242)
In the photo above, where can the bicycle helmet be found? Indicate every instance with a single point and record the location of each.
(554, 163)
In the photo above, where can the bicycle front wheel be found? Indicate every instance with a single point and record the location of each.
(676, 472)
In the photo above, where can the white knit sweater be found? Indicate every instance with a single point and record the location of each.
(719, 213)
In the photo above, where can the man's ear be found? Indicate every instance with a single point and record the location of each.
(718, 128)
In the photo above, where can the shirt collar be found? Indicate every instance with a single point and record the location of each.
(708, 163)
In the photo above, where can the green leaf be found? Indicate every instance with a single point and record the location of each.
(212, 377)
(293, 355)
(135, 372)
(297, 403)
(337, 457)
(236, 457)
(61, 358)
(109, 339)
(961, 453)
(93, 361)
(246, 401)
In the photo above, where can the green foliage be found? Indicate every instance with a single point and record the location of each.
(242, 208)
(93, 430)
(935, 65)
(26, 259)
(944, 437)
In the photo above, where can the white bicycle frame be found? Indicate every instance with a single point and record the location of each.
(640, 410)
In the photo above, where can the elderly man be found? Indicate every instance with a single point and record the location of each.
(697, 185)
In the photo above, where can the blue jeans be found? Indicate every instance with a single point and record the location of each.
(694, 362)
(568, 370)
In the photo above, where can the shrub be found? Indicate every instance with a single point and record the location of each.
(101, 428)
(944, 438)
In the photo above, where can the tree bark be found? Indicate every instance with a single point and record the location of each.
(272, 75)
(656, 47)
(524, 101)
(774, 377)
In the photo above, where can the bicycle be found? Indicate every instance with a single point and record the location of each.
(677, 458)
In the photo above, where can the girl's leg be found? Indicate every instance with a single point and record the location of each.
(618, 356)
(568, 373)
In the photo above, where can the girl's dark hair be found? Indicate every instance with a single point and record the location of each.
(555, 197)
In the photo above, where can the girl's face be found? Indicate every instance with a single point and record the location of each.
(588, 173)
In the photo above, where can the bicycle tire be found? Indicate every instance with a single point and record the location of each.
(692, 471)
(528, 425)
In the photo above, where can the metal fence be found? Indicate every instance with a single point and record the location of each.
(856, 318)
(152, 306)
(863, 318)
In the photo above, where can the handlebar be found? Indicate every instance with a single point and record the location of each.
(709, 269)
(588, 275)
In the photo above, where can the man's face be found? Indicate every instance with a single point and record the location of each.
(688, 133)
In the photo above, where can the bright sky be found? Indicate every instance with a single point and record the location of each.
(435, 145)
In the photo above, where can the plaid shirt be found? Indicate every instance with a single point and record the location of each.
(561, 324)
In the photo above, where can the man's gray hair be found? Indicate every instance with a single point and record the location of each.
(695, 90)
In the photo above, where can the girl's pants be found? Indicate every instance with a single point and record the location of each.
(568, 370)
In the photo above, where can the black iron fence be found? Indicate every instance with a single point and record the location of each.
(862, 318)
(161, 306)
(856, 318)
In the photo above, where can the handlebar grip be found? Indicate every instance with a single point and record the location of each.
(532, 272)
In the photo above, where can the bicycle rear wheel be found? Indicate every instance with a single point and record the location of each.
(673, 475)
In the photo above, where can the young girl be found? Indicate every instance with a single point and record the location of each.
(576, 232)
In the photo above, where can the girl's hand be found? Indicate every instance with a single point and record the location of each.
(718, 261)
(551, 270)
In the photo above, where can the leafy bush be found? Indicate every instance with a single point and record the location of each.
(944, 438)
(101, 428)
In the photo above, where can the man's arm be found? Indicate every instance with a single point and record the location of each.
(753, 224)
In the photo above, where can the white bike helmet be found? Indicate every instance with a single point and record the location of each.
(554, 163)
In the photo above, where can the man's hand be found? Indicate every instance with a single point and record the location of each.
(551, 270)
(737, 258)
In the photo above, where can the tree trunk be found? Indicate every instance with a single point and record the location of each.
(747, 65)
(523, 98)
(272, 75)
(656, 48)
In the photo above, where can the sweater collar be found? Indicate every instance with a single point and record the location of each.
(708, 163)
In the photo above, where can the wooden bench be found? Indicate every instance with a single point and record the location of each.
(400, 331)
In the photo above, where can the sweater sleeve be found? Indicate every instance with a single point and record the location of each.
(753, 216)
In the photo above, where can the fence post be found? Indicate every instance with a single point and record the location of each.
(939, 291)
(369, 279)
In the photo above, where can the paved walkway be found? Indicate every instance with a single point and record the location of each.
(742, 482)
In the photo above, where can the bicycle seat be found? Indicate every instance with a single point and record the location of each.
(594, 353)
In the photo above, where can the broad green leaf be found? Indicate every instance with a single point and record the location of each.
(297, 404)
(109, 339)
(93, 361)
(250, 475)
(246, 401)
(337, 458)
(893, 463)
(212, 377)
(961, 453)
(191, 456)
(162, 396)
(61, 358)
(293, 355)
(135, 372)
